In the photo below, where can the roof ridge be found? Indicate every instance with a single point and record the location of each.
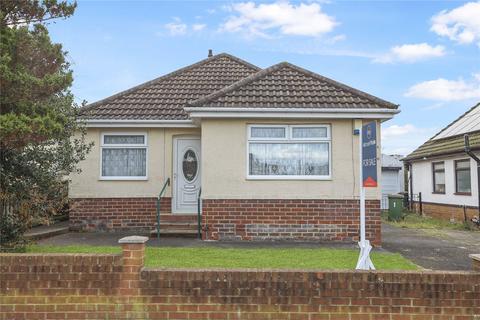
(281, 65)
(455, 121)
(166, 76)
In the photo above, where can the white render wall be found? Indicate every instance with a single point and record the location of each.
(423, 182)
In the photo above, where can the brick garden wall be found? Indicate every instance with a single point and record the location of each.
(116, 213)
(331, 220)
(118, 287)
(446, 211)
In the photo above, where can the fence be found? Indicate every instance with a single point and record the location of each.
(86, 286)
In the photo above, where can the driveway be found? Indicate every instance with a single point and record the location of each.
(432, 249)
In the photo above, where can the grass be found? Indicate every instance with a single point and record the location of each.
(416, 221)
(290, 258)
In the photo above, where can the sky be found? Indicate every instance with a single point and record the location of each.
(422, 55)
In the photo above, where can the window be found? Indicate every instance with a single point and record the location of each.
(462, 177)
(438, 177)
(289, 152)
(124, 156)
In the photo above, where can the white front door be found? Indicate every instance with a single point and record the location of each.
(186, 174)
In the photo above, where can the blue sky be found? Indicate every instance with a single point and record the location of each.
(424, 55)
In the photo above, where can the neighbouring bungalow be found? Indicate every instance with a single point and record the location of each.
(272, 154)
(444, 174)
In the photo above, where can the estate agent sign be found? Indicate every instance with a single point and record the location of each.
(368, 172)
(369, 155)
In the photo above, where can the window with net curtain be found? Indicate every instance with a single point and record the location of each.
(124, 156)
(291, 151)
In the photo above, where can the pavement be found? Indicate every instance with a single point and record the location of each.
(429, 249)
(433, 249)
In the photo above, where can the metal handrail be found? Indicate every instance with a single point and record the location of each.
(167, 183)
(199, 209)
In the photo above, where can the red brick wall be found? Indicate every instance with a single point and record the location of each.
(446, 211)
(115, 213)
(334, 220)
(117, 287)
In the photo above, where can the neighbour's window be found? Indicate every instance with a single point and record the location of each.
(462, 176)
(289, 151)
(124, 156)
(438, 177)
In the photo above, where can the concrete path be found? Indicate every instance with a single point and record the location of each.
(111, 239)
(432, 249)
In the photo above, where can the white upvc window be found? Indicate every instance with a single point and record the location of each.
(301, 152)
(123, 156)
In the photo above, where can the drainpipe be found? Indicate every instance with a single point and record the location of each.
(410, 178)
(468, 151)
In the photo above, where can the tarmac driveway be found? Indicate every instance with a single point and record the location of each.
(432, 249)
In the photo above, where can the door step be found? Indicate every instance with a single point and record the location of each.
(182, 233)
(176, 225)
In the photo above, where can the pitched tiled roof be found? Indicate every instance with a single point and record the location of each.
(448, 145)
(445, 146)
(164, 98)
(287, 86)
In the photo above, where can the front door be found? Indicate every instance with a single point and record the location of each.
(186, 174)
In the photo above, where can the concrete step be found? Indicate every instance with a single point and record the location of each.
(177, 225)
(184, 233)
(43, 232)
(164, 217)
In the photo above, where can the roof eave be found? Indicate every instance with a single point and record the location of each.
(436, 155)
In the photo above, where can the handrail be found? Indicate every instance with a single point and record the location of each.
(167, 183)
(199, 219)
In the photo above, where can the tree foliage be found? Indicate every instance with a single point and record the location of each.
(41, 140)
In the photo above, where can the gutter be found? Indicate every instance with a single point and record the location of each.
(123, 123)
(221, 112)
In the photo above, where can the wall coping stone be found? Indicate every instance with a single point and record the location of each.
(475, 257)
(133, 239)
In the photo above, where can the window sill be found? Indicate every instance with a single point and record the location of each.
(123, 178)
(438, 192)
(287, 178)
(463, 193)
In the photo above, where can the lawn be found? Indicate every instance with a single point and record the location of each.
(416, 221)
(290, 258)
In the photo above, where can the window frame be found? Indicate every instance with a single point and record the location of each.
(456, 176)
(289, 140)
(444, 176)
(104, 145)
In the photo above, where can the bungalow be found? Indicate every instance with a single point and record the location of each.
(444, 174)
(269, 153)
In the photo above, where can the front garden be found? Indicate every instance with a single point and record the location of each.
(261, 258)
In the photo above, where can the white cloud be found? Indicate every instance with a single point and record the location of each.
(403, 139)
(446, 90)
(411, 53)
(198, 27)
(176, 28)
(461, 24)
(282, 17)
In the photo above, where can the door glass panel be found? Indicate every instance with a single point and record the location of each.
(189, 165)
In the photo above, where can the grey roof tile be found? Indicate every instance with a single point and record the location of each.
(164, 98)
(288, 86)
